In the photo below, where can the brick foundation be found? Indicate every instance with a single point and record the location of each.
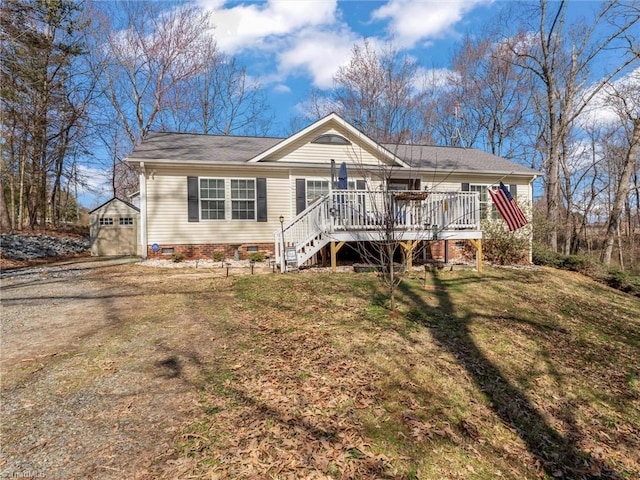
(457, 250)
(206, 251)
(434, 250)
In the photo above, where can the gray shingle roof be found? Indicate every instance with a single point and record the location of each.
(428, 157)
(186, 147)
(200, 148)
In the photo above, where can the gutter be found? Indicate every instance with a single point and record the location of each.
(311, 166)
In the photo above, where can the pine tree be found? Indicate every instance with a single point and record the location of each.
(40, 41)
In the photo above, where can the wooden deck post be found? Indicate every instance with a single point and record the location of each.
(477, 243)
(323, 256)
(334, 253)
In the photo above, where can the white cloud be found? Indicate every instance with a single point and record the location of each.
(281, 88)
(319, 53)
(303, 36)
(412, 21)
(250, 26)
(94, 186)
(601, 111)
(310, 38)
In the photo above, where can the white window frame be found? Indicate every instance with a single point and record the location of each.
(125, 221)
(249, 201)
(105, 221)
(351, 185)
(318, 189)
(488, 210)
(222, 199)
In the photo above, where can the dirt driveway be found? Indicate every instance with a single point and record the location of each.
(46, 310)
(93, 387)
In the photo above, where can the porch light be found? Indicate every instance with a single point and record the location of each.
(282, 264)
(281, 218)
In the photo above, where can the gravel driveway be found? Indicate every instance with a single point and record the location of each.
(73, 364)
(46, 309)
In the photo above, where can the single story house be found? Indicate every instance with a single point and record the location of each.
(297, 197)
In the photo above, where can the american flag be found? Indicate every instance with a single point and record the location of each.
(508, 207)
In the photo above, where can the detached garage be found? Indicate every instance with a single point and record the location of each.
(114, 228)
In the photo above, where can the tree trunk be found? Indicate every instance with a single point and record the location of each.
(392, 279)
(622, 190)
(5, 224)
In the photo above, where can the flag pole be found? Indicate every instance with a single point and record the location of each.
(501, 178)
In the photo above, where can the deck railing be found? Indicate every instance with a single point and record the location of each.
(363, 210)
(406, 210)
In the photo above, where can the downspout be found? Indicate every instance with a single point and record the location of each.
(143, 210)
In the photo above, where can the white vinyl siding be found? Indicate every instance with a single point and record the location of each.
(243, 199)
(212, 202)
(167, 215)
(451, 183)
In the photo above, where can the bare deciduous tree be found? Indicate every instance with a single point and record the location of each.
(626, 100)
(160, 69)
(148, 58)
(377, 92)
(485, 101)
(562, 57)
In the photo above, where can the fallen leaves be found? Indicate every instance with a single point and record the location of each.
(298, 414)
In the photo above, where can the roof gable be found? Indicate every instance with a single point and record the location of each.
(358, 147)
(113, 200)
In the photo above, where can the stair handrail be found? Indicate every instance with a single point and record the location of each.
(300, 227)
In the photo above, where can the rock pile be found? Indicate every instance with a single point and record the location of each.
(30, 247)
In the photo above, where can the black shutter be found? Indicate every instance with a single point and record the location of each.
(192, 199)
(261, 199)
(513, 190)
(360, 185)
(301, 195)
(465, 187)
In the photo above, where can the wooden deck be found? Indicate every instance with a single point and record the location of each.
(371, 216)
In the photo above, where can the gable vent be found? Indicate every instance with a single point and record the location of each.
(331, 139)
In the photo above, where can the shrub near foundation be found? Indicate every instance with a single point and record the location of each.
(503, 247)
(257, 256)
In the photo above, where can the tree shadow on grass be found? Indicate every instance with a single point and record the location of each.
(557, 454)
